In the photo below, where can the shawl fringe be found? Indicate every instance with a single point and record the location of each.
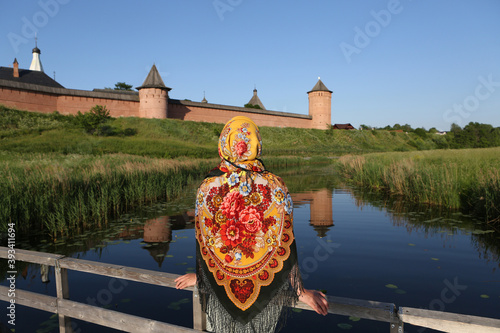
(271, 318)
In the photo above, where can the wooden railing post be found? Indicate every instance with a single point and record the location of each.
(62, 290)
(396, 324)
(199, 316)
(397, 327)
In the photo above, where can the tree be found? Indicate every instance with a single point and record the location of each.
(123, 86)
(407, 128)
(421, 132)
(252, 106)
(475, 135)
(93, 120)
(396, 127)
(455, 128)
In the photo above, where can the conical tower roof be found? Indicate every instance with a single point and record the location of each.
(320, 86)
(36, 63)
(154, 80)
(158, 252)
(255, 100)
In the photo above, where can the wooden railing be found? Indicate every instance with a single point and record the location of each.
(66, 309)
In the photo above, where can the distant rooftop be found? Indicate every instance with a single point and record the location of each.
(154, 80)
(29, 76)
(320, 86)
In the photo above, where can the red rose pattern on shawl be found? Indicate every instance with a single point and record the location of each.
(239, 224)
(241, 148)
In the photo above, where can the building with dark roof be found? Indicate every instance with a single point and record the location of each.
(343, 126)
(28, 76)
(33, 90)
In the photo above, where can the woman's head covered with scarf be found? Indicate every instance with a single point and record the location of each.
(240, 141)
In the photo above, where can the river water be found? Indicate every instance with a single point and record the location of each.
(351, 243)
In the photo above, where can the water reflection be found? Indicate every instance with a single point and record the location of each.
(321, 209)
(44, 273)
(157, 235)
(432, 220)
(167, 227)
(155, 229)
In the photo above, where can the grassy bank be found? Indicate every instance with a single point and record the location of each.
(70, 193)
(169, 138)
(466, 179)
(52, 170)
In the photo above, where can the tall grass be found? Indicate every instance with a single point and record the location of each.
(466, 179)
(69, 193)
(65, 193)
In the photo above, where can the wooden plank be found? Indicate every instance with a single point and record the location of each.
(199, 316)
(31, 299)
(359, 308)
(448, 322)
(117, 320)
(62, 290)
(122, 272)
(32, 256)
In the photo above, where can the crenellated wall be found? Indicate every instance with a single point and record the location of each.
(66, 101)
(197, 111)
(154, 103)
(28, 100)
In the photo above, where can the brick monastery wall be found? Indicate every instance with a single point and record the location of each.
(27, 100)
(70, 101)
(215, 113)
(117, 108)
(64, 104)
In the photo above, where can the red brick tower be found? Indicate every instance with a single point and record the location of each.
(153, 96)
(320, 106)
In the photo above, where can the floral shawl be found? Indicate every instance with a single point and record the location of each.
(247, 260)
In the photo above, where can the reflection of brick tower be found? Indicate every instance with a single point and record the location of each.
(158, 232)
(320, 204)
(321, 211)
(320, 106)
(153, 96)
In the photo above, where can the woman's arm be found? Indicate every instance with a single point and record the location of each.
(185, 281)
(316, 300)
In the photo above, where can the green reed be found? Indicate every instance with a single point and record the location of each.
(66, 193)
(466, 179)
(62, 194)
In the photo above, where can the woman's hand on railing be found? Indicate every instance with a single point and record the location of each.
(316, 300)
(185, 281)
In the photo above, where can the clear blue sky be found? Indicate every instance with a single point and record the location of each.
(427, 63)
